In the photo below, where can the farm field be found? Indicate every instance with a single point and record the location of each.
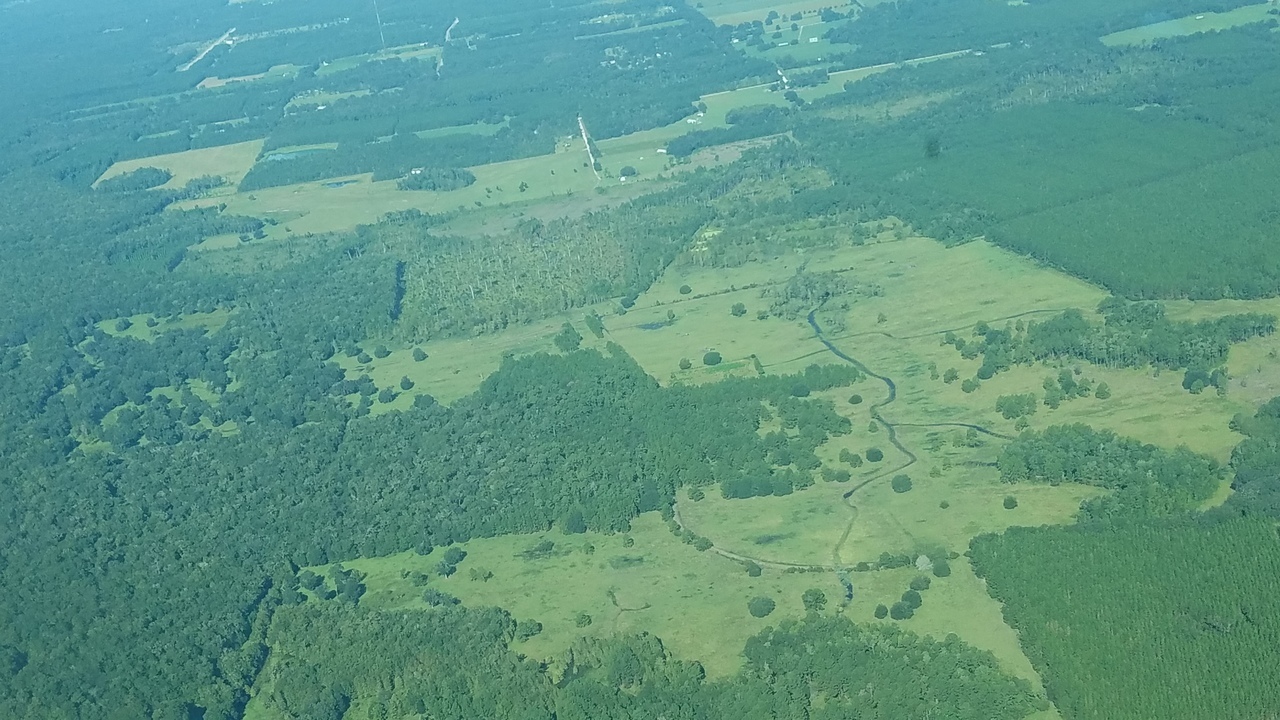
(1190, 25)
(229, 161)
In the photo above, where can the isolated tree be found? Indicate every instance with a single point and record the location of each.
(363, 358)
(874, 455)
(123, 324)
(912, 598)
(381, 352)
(568, 339)
(921, 583)
(944, 504)
(406, 383)
(1010, 502)
(873, 427)
(760, 606)
(574, 523)
(901, 611)
(882, 612)
(685, 364)
(814, 600)
(950, 376)
(941, 568)
(753, 569)
(627, 171)
(419, 355)
(1102, 392)
(685, 289)
(526, 629)
(712, 358)
(855, 399)
(454, 555)
(738, 310)
(969, 385)
(583, 620)
(900, 483)
(387, 395)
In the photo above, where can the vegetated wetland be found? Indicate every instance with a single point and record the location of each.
(639, 359)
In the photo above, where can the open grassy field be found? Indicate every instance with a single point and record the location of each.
(140, 330)
(404, 52)
(1190, 25)
(276, 72)
(456, 367)
(736, 12)
(229, 161)
(696, 602)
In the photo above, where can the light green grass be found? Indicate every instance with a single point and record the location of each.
(209, 322)
(229, 161)
(1190, 25)
(456, 367)
(319, 97)
(736, 12)
(404, 52)
(695, 601)
(480, 128)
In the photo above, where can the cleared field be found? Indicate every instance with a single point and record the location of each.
(346, 202)
(229, 161)
(695, 601)
(809, 526)
(318, 97)
(736, 12)
(140, 330)
(277, 72)
(1190, 25)
(454, 368)
(403, 52)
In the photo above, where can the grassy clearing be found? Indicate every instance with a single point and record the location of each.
(696, 602)
(229, 161)
(736, 12)
(480, 128)
(340, 203)
(319, 97)
(1190, 25)
(456, 367)
(276, 72)
(930, 290)
(403, 52)
(139, 330)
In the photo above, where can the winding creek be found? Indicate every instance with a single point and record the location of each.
(838, 564)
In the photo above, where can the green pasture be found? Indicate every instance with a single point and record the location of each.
(138, 329)
(1192, 24)
(480, 128)
(695, 601)
(736, 12)
(327, 205)
(456, 367)
(229, 161)
(404, 52)
(320, 97)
